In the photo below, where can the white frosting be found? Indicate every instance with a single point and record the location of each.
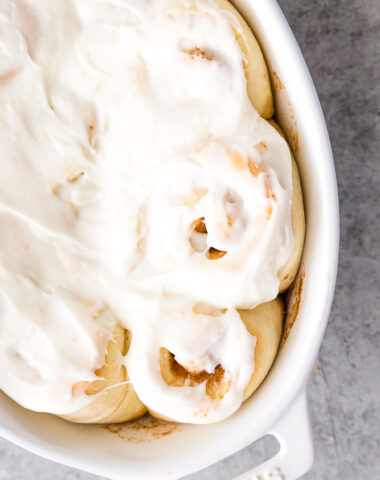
(122, 123)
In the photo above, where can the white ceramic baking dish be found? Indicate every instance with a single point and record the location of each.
(279, 406)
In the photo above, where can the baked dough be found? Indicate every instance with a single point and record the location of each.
(256, 71)
(264, 322)
(117, 400)
(288, 271)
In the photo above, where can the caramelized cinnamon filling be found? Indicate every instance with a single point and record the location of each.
(215, 254)
(199, 226)
(175, 375)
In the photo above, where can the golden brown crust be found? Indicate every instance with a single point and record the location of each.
(115, 403)
(264, 322)
(288, 271)
(256, 71)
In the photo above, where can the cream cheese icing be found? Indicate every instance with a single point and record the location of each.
(136, 182)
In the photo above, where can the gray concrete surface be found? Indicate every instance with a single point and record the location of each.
(341, 42)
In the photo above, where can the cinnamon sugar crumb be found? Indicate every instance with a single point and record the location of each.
(261, 146)
(196, 52)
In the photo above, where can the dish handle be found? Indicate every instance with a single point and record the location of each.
(296, 454)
